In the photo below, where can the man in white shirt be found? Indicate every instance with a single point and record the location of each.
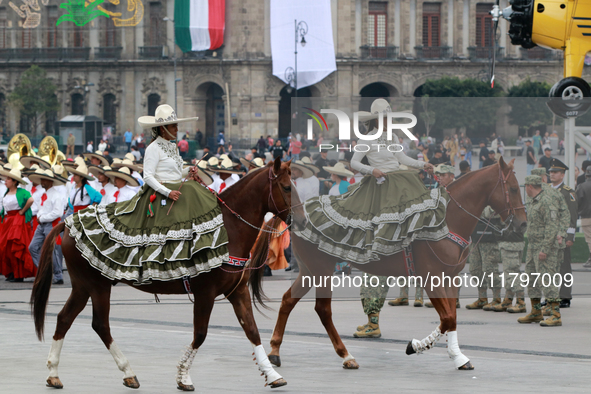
(225, 169)
(125, 184)
(89, 147)
(301, 175)
(50, 212)
(105, 187)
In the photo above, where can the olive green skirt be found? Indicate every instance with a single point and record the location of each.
(374, 219)
(123, 242)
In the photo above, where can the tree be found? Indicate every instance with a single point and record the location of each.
(34, 95)
(474, 106)
(528, 105)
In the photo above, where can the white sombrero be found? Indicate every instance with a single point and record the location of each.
(97, 155)
(303, 168)
(378, 109)
(28, 161)
(123, 173)
(307, 162)
(14, 174)
(338, 169)
(81, 170)
(47, 174)
(226, 166)
(117, 163)
(203, 174)
(256, 162)
(96, 170)
(164, 115)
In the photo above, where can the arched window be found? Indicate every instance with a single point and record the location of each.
(109, 109)
(77, 104)
(153, 102)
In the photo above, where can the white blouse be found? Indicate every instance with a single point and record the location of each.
(10, 203)
(75, 197)
(126, 193)
(106, 191)
(382, 159)
(163, 164)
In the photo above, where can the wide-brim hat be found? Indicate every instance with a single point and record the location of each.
(204, 175)
(26, 171)
(308, 162)
(123, 173)
(130, 156)
(97, 155)
(14, 174)
(81, 169)
(225, 166)
(96, 170)
(47, 174)
(28, 161)
(164, 115)
(256, 162)
(307, 171)
(379, 108)
(338, 169)
(118, 163)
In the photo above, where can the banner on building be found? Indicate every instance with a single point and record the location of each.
(316, 60)
(199, 24)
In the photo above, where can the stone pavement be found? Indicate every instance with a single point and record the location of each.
(507, 356)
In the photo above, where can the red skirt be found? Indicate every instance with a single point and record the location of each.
(15, 238)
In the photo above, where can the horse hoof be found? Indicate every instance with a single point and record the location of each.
(275, 360)
(132, 382)
(56, 383)
(351, 364)
(278, 383)
(184, 387)
(409, 349)
(466, 367)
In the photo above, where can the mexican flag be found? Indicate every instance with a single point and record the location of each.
(199, 24)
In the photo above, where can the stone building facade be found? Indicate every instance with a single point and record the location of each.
(122, 67)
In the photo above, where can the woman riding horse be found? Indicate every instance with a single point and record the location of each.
(161, 233)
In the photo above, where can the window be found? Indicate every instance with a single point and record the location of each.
(431, 24)
(2, 113)
(109, 30)
(27, 38)
(484, 25)
(51, 27)
(109, 109)
(77, 104)
(377, 24)
(78, 37)
(153, 102)
(156, 16)
(3, 29)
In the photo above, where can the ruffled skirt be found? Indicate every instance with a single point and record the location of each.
(15, 238)
(374, 219)
(123, 241)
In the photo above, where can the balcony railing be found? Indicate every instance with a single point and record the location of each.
(50, 53)
(539, 53)
(152, 52)
(208, 54)
(75, 53)
(433, 53)
(370, 52)
(485, 53)
(110, 53)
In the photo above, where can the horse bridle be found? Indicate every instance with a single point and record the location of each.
(273, 177)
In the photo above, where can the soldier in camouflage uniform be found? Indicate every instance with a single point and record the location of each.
(372, 299)
(546, 226)
(511, 244)
(403, 298)
(484, 259)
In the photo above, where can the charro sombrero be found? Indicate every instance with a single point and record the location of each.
(225, 166)
(256, 162)
(307, 171)
(338, 169)
(28, 161)
(32, 169)
(205, 177)
(117, 163)
(13, 174)
(307, 162)
(73, 163)
(163, 116)
(80, 170)
(123, 173)
(378, 109)
(60, 170)
(47, 174)
(96, 170)
(97, 155)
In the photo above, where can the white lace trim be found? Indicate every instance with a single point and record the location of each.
(171, 150)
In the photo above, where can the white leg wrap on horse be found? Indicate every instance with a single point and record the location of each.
(182, 375)
(453, 349)
(121, 361)
(265, 365)
(426, 343)
(348, 358)
(53, 359)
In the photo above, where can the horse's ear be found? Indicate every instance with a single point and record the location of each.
(276, 165)
(511, 164)
(502, 163)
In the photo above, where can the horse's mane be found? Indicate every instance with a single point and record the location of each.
(244, 180)
(468, 176)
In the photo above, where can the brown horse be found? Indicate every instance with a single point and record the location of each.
(264, 190)
(495, 186)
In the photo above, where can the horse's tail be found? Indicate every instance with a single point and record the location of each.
(259, 254)
(42, 285)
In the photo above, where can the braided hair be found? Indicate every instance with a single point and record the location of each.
(84, 183)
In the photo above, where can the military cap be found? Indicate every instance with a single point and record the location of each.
(444, 169)
(534, 180)
(539, 171)
(557, 165)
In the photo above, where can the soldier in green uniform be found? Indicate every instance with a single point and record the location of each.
(511, 244)
(484, 259)
(557, 170)
(372, 300)
(403, 297)
(545, 227)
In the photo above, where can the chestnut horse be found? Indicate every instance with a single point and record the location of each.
(264, 190)
(495, 185)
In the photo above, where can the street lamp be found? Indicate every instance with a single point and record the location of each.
(301, 29)
(289, 77)
(167, 19)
